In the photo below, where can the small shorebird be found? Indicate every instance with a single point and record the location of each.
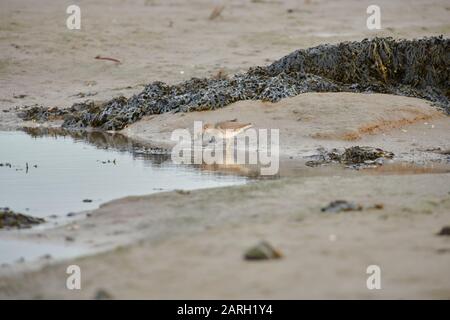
(226, 129)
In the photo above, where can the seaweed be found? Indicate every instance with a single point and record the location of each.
(354, 157)
(10, 219)
(413, 68)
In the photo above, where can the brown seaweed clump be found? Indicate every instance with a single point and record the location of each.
(355, 157)
(11, 219)
(414, 68)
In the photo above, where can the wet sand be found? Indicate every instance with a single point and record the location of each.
(175, 245)
(192, 245)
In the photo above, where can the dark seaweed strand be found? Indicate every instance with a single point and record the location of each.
(414, 68)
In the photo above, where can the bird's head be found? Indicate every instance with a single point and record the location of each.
(207, 126)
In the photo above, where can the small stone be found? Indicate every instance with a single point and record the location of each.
(262, 251)
(378, 206)
(87, 200)
(102, 294)
(341, 205)
(445, 231)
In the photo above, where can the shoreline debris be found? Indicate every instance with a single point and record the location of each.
(355, 157)
(10, 219)
(216, 12)
(107, 58)
(413, 68)
(341, 205)
(445, 231)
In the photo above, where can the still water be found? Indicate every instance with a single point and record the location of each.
(43, 173)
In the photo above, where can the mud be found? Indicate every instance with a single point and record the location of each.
(414, 68)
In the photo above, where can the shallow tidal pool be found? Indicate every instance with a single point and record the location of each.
(52, 174)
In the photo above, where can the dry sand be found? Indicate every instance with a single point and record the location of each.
(190, 245)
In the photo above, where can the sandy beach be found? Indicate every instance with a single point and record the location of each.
(188, 245)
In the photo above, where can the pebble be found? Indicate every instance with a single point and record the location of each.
(102, 294)
(262, 251)
(445, 231)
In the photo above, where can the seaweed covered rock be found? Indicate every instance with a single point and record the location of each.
(11, 219)
(414, 68)
(39, 113)
(357, 155)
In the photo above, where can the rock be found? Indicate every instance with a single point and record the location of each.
(341, 205)
(87, 200)
(102, 294)
(11, 219)
(445, 231)
(262, 251)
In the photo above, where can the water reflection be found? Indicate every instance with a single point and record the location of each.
(76, 171)
(106, 141)
(152, 156)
